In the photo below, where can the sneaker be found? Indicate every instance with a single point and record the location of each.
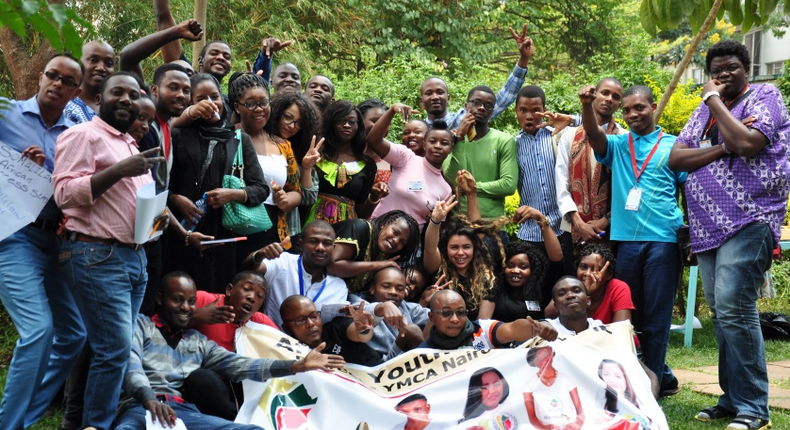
(745, 422)
(714, 413)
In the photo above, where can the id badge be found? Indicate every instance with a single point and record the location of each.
(532, 306)
(415, 186)
(633, 200)
(704, 143)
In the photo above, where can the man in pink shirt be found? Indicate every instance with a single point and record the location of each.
(98, 171)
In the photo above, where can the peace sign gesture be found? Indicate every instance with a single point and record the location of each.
(525, 46)
(441, 209)
(313, 154)
(592, 278)
(427, 295)
(363, 321)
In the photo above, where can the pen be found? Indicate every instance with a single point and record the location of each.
(217, 114)
(156, 226)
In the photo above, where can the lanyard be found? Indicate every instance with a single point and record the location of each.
(301, 283)
(649, 156)
(713, 119)
(165, 126)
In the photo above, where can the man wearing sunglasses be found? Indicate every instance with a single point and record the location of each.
(32, 289)
(452, 330)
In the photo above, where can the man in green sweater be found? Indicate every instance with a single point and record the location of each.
(488, 154)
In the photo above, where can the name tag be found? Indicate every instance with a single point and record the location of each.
(415, 186)
(705, 143)
(352, 166)
(633, 200)
(533, 306)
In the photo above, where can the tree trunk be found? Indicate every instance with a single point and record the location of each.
(24, 68)
(687, 58)
(200, 16)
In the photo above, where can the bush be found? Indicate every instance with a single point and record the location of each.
(680, 107)
(783, 83)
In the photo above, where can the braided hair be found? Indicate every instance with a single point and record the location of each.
(598, 249)
(300, 142)
(240, 82)
(538, 263)
(408, 252)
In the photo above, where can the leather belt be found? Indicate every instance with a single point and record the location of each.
(45, 224)
(79, 237)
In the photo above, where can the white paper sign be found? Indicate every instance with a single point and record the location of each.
(151, 425)
(149, 206)
(25, 187)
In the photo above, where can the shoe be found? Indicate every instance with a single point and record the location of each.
(670, 389)
(745, 422)
(714, 413)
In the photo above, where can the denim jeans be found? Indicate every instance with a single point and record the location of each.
(35, 296)
(134, 419)
(652, 271)
(108, 283)
(731, 276)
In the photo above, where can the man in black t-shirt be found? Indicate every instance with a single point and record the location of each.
(342, 336)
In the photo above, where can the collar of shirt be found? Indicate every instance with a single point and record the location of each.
(165, 329)
(31, 106)
(650, 137)
(541, 134)
(113, 131)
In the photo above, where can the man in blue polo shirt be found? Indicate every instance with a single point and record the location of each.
(31, 286)
(645, 218)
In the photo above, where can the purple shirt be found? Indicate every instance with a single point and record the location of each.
(732, 192)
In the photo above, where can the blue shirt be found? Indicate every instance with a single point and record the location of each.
(658, 216)
(536, 182)
(78, 112)
(263, 63)
(504, 98)
(23, 126)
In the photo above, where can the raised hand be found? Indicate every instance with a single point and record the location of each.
(543, 329)
(271, 45)
(273, 250)
(405, 111)
(525, 213)
(139, 164)
(466, 182)
(557, 120)
(204, 109)
(427, 295)
(279, 196)
(713, 85)
(379, 191)
(466, 123)
(587, 94)
(190, 30)
(442, 208)
(35, 154)
(363, 321)
(313, 155)
(316, 360)
(392, 315)
(594, 278)
(214, 314)
(525, 46)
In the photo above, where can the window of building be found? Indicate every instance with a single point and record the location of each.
(775, 68)
(753, 42)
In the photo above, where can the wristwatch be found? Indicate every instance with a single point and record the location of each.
(708, 95)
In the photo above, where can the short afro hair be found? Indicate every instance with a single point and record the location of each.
(726, 48)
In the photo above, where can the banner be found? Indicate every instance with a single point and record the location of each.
(25, 187)
(589, 381)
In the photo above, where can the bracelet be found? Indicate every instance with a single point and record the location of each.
(245, 195)
(186, 238)
(253, 257)
(724, 147)
(543, 223)
(372, 202)
(188, 111)
(434, 222)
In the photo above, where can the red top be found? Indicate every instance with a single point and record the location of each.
(224, 334)
(617, 298)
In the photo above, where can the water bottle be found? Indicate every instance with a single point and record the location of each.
(200, 204)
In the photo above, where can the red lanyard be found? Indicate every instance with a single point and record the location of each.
(649, 156)
(165, 135)
(713, 119)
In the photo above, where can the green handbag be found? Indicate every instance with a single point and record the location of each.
(237, 217)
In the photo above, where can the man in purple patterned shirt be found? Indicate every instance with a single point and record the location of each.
(737, 192)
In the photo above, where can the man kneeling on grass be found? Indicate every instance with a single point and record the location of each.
(165, 353)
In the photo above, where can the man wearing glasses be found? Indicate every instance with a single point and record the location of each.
(32, 288)
(288, 274)
(342, 336)
(452, 330)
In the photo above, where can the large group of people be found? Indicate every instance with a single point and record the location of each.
(409, 236)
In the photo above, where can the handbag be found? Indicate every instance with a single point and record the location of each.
(687, 256)
(237, 217)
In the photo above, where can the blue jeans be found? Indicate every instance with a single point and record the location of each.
(731, 276)
(652, 270)
(108, 283)
(134, 419)
(35, 296)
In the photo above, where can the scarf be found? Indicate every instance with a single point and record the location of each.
(218, 131)
(465, 338)
(591, 193)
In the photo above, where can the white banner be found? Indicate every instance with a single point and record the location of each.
(503, 389)
(25, 187)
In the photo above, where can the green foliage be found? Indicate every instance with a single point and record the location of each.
(55, 22)
(783, 83)
(664, 15)
(680, 107)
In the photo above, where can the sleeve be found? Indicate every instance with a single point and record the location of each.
(770, 112)
(690, 133)
(621, 296)
(561, 175)
(398, 157)
(419, 314)
(263, 63)
(455, 162)
(369, 176)
(135, 382)
(490, 328)
(261, 318)
(337, 328)
(204, 298)
(74, 168)
(611, 147)
(310, 195)
(507, 95)
(256, 188)
(236, 367)
(293, 182)
(508, 172)
(354, 232)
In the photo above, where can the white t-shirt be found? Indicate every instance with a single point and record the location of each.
(282, 278)
(553, 405)
(275, 168)
(561, 329)
(501, 417)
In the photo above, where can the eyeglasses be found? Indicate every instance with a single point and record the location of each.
(343, 121)
(67, 82)
(302, 319)
(729, 69)
(477, 103)
(252, 104)
(448, 313)
(289, 120)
